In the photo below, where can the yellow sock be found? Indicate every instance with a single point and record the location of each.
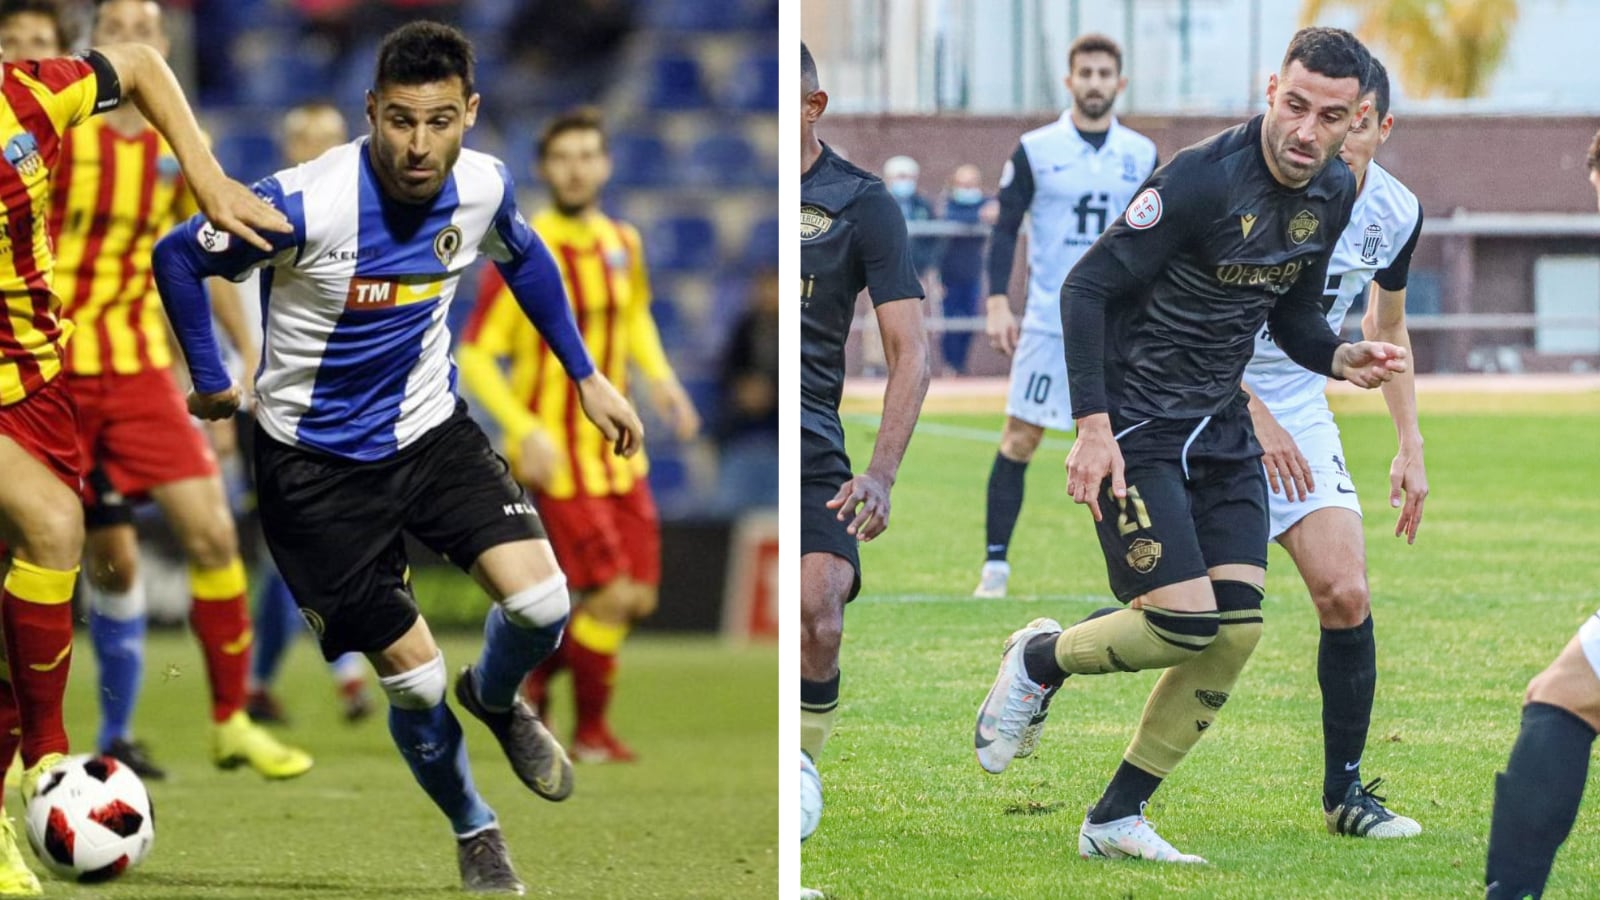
(590, 633)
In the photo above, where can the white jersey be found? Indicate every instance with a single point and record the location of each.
(355, 352)
(1077, 191)
(1377, 244)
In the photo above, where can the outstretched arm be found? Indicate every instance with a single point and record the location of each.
(150, 84)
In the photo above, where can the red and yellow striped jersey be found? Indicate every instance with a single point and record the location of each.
(602, 263)
(39, 101)
(114, 196)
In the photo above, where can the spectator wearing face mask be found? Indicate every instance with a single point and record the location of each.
(961, 264)
(900, 175)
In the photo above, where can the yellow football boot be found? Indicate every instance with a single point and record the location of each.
(30, 777)
(16, 879)
(241, 742)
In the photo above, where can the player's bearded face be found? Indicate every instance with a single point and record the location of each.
(576, 167)
(416, 135)
(1095, 82)
(1308, 117)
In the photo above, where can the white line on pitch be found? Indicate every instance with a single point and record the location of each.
(961, 432)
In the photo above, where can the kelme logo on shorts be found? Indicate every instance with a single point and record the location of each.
(1143, 555)
(814, 222)
(313, 620)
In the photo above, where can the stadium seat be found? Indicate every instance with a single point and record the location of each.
(695, 15)
(753, 84)
(681, 244)
(676, 83)
(723, 159)
(640, 160)
(668, 322)
(761, 247)
(247, 155)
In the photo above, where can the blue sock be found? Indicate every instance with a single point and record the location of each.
(277, 622)
(509, 653)
(119, 649)
(430, 740)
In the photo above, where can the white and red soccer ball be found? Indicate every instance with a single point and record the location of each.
(91, 819)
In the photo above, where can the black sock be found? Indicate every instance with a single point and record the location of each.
(1005, 504)
(1536, 799)
(1347, 670)
(1130, 788)
(1039, 659)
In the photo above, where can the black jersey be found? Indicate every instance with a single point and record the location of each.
(852, 236)
(1163, 310)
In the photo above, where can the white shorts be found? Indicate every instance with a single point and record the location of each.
(1317, 436)
(1589, 639)
(1038, 393)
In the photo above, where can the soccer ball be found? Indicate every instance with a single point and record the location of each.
(810, 796)
(91, 820)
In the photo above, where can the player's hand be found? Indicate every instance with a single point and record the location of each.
(1369, 364)
(673, 405)
(1001, 325)
(1408, 479)
(864, 500)
(1094, 457)
(612, 414)
(220, 405)
(536, 461)
(1288, 472)
(236, 209)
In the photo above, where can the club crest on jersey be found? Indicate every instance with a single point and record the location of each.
(1371, 240)
(22, 152)
(1144, 555)
(814, 222)
(1130, 168)
(1302, 227)
(446, 243)
(1144, 212)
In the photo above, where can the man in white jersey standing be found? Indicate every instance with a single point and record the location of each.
(1315, 514)
(360, 435)
(1070, 178)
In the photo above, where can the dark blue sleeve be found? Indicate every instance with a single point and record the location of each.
(531, 274)
(196, 250)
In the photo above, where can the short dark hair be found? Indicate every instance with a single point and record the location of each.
(583, 118)
(50, 9)
(1094, 43)
(1594, 152)
(1332, 52)
(424, 53)
(808, 70)
(1377, 84)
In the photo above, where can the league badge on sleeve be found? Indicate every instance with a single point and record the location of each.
(213, 239)
(1145, 210)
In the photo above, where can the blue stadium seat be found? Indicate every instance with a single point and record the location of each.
(723, 159)
(681, 244)
(668, 322)
(760, 249)
(640, 160)
(247, 155)
(753, 84)
(676, 83)
(695, 15)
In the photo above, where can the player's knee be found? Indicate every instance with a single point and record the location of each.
(1020, 441)
(1239, 611)
(544, 605)
(1344, 602)
(419, 688)
(1174, 637)
(821, 628)
(52, 536)
(212, 545)
(114, 576)
(645, 600)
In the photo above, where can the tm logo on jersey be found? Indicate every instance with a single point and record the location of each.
(387, 293)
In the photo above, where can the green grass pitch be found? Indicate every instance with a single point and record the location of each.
(1501, 576)
(696, 817)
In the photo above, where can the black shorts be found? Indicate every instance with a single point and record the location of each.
(1197, 498)
(334, 525)
(824, 468)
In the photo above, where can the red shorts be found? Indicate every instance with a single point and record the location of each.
(597, 539)
(137, 430)
(45, 424)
